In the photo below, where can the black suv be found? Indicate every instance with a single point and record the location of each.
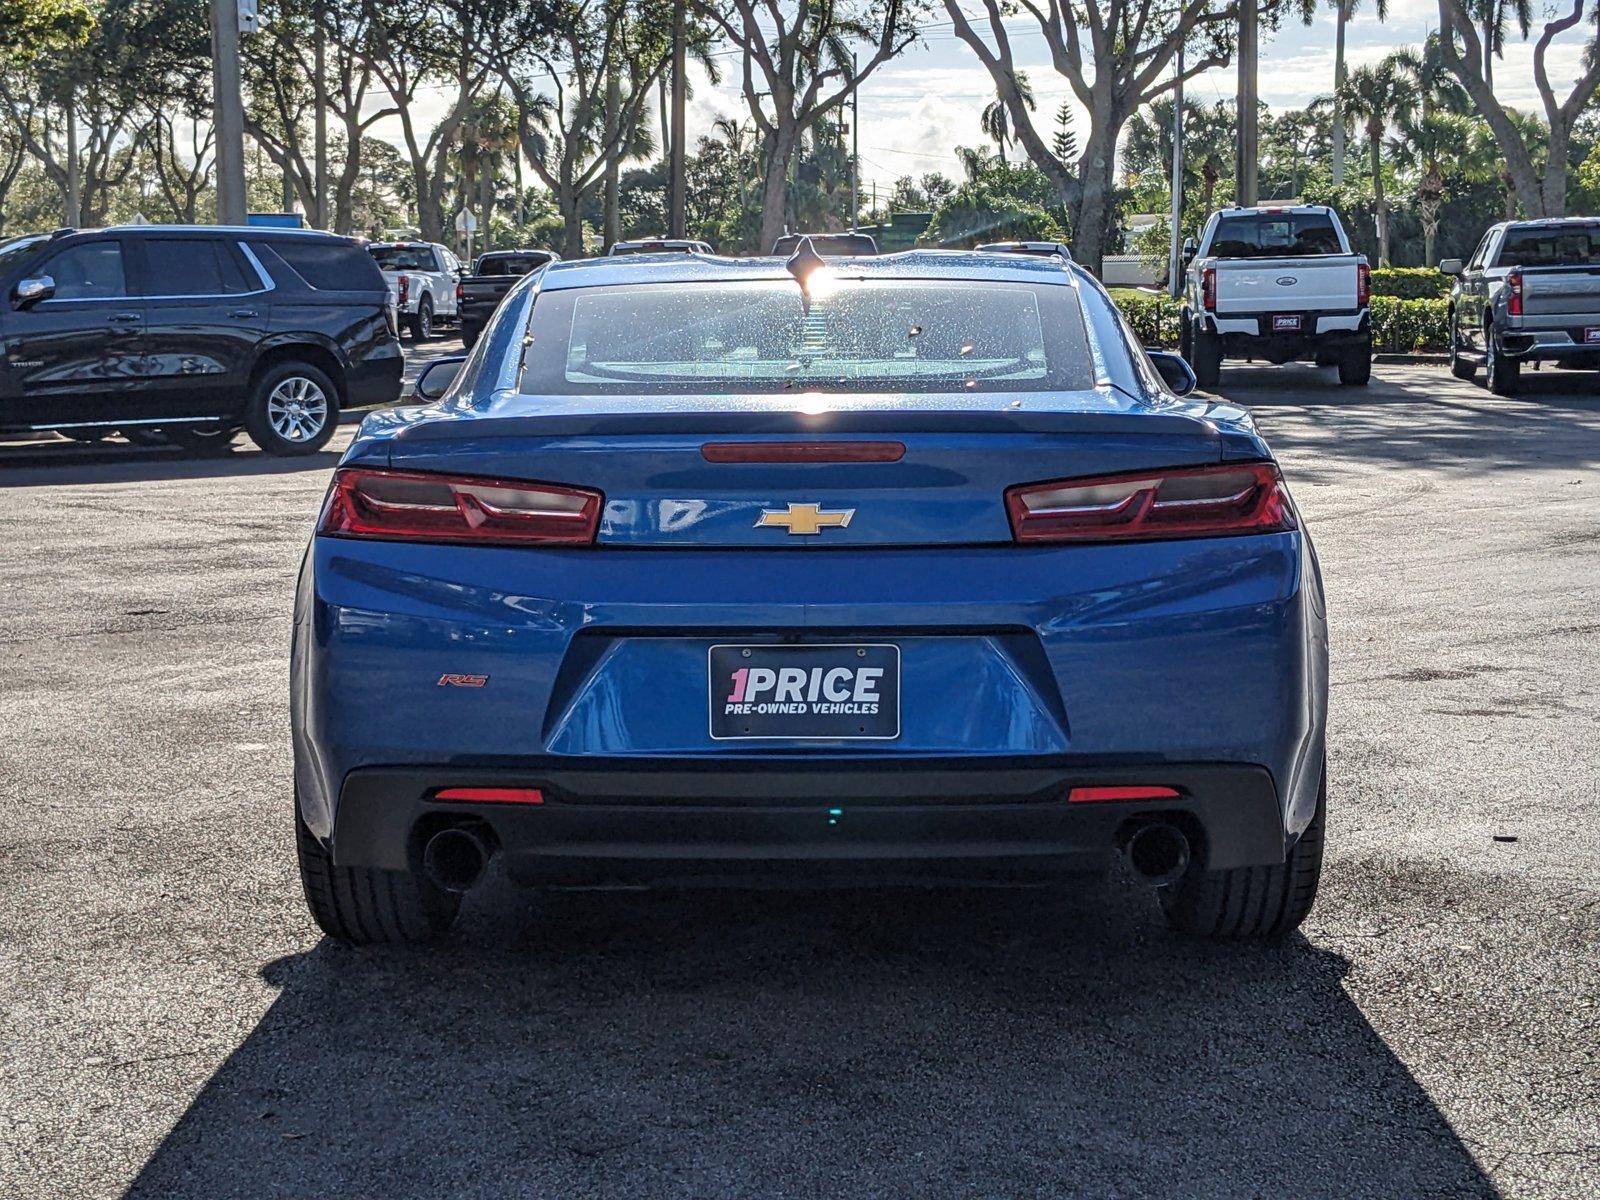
(188, 333)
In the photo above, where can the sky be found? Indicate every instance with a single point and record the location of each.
(918, 107)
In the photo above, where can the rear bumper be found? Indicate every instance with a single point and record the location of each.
(631, 825)
(1564, 344)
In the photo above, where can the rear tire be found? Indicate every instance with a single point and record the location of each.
(422, 323)
(293, 410)
(199, 439)
(1186, 338)
(1461, 366)
(1355, 366)
(469, 336)
(1207, 361)
(367, 905)
(1504, 374)
(1252, 902)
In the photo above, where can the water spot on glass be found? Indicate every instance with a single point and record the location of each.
(914, 331)
(967, 349)
(972, 383)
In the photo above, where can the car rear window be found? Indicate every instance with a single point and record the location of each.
(1554, 246)
(403, 258)
(517, 264)
(1264, 235)
(327, 266)
(767, 336)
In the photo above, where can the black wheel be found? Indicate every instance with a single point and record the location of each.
(144, 437)
(1355, 365)
(422, 323)
(469, 335)
(1185, 337)
(1504, 373)
(1207, 360)
(367, 905)
(1252, 902)
(293, 409)
(200, 439)
(1461, 366)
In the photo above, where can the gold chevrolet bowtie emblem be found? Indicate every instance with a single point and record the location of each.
(805, 518)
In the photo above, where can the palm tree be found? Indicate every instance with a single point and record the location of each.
(1343, 9)
(1435, 139)
(1435, 83)
(996, 119)
(1376, 96)
(488, 141)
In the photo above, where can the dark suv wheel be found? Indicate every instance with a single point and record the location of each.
(292, 410)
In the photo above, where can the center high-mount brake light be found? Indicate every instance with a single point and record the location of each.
(1187, 502)
(803, 452)
(412, 506)
(1208, 289)
(1514, 293)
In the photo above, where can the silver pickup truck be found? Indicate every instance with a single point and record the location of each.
(1530, 292)
(1278, 283)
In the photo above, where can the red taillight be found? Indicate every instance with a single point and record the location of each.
(1190, 502)
(1363, 284)
(1096, 795)
(461, 292)
(413, 506)
(404, 286)
(802, 452)
(490, 795)
(1208, 289)
(1514, 293)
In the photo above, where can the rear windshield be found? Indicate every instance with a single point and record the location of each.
(841, 245)
(514, 264)
(767, 336)
(403, 258)
(1264, 235)
(1561, 246)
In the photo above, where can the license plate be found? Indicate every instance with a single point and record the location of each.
(1591, 334)
(833, 692)
(1286, 324)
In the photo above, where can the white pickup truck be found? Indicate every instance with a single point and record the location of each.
(422, 279)
(1279, 284)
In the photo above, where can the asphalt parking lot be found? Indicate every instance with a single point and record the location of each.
(171, 1025)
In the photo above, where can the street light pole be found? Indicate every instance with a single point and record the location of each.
(855, 144)
(227, 112)
(677, 214)
(1245, 174)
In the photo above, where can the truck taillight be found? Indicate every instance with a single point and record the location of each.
(460, 292)
(1514, 293)
(1181, 503)
(416, 506)
(1208, 289)
(1363, 284)
(404, 284)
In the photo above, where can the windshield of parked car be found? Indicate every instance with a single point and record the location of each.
(511, 264)
(403, 258)
(728, 338)
(12, 252)
(1266, 235)
(1552, 246)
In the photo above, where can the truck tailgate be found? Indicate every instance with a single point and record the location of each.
(1267, 285)
(1561, 292)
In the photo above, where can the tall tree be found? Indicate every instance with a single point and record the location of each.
(564, 132)
(1343, 11)
(1116, 55)
(1541, 193)
(995, 120)
(798, 68)
(31, 27)
(1378, 96)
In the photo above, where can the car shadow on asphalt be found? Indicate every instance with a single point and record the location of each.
(63, 464)
(836, 1044)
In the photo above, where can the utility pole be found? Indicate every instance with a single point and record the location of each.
(676, 211)
(1338, 90)
(74, 168)
(855, 144)
(319, 219)
(612, 216)
(1245, 173)
(1175, 267)
(227, 112)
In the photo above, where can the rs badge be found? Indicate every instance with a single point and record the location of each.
(805, 518)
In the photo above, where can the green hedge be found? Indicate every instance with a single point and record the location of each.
(1410, 283)
(1398, 326)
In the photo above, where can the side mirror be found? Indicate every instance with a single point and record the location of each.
(1175, 373)
(1450, 266)
(1190, 247)
(30, 291)
(437, 377)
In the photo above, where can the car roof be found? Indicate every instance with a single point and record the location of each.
(711, 268)
(1242, 209)
(254, 231)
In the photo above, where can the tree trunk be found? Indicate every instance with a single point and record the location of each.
(611, 224)
(571, 221)
(1380, 205)
(74, 197)
(775, 188)
(1091, 224)
(1554, 192)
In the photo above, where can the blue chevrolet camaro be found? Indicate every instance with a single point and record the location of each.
(912, 569)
